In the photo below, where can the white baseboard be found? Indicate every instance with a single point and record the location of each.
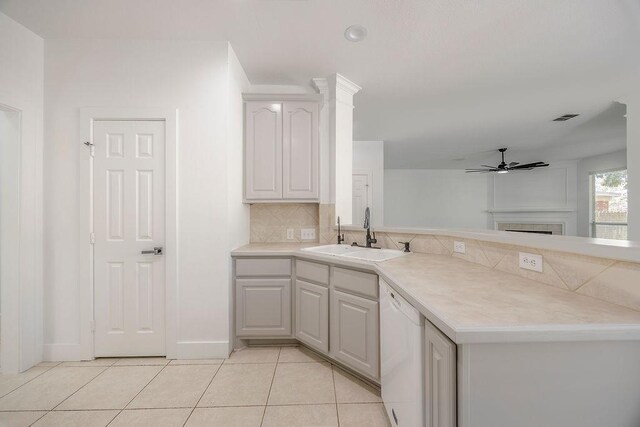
(62, 352)
(201, 350)
(183, 350)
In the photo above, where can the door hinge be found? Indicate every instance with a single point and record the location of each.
(92, 238)
(92, 324)
(92, 150)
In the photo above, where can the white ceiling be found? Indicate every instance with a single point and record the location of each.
(442, 79)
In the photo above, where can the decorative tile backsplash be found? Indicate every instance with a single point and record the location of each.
(270, 221)
(605, 279)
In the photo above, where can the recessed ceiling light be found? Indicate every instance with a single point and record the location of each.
(355, 33)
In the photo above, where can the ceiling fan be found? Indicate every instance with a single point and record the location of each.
(504, 167)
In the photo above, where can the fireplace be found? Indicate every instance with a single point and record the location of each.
(535, 228)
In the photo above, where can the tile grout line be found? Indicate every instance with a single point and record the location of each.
(81, 387)
(202, 395)
(275, 369)
(335, 392)
(593, 278)
(37, 376)
(39, 418)
(138, 393)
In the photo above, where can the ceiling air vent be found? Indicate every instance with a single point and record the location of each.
(565, 117)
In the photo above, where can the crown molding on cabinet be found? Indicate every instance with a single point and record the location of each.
(346, 85)
(279, 97)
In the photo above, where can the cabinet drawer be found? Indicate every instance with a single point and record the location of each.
(312, 271)
(263, 267)
(356, 282)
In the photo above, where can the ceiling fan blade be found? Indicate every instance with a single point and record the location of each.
(488, 166)
(512, 164)
(481, 170)
(531, 165)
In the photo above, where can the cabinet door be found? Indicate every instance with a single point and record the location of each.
(354, 332)
(263, 150)
(312, 315)
(263, 307)
(300, 150)
(440, 384)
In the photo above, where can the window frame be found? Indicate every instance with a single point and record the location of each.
(592, 202)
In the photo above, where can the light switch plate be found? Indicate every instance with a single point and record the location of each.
(531, 262)
(459, 247)
(308, 234)
(290, 235)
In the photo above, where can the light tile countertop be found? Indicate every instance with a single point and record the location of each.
(474, 304)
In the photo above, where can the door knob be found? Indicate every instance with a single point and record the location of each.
(156, 251)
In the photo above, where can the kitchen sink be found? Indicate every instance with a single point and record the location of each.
(375, 254)
(334, 249)
(356, 252)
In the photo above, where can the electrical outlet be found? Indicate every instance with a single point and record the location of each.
(290, 235)
(308, 234)
(459, 247)
(531, 262)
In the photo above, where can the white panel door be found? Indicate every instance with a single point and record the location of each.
(312, 315)
(128, 218)
(361, 186)
(263, 150)
(300, 150)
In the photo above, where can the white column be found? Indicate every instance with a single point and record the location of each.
(341, 91)
(633, 165)
(327, 193)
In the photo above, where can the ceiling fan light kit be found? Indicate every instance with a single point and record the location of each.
(505, 167)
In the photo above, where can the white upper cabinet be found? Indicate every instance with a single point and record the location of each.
(281, 150)
(263, 150)
(300, 150)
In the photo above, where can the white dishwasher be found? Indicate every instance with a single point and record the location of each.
(401, 354)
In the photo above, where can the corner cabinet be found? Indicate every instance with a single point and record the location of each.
(281, 150)
(354, 321)
(312, 315)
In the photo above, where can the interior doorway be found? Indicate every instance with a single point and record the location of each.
(128, 235)
(362, 194)
(9, 237)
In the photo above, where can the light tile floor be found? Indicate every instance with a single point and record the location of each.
(259, 386)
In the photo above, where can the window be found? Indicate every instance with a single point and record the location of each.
(609, 204)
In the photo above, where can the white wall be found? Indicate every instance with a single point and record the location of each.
(604, 162)
(435, 198)
(200, 79)
(21, 88)
(369, 156)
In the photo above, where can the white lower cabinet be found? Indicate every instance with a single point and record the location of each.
(336, 309)
(312, 315)
(355, 332)
(263, 307)
(440, 379)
